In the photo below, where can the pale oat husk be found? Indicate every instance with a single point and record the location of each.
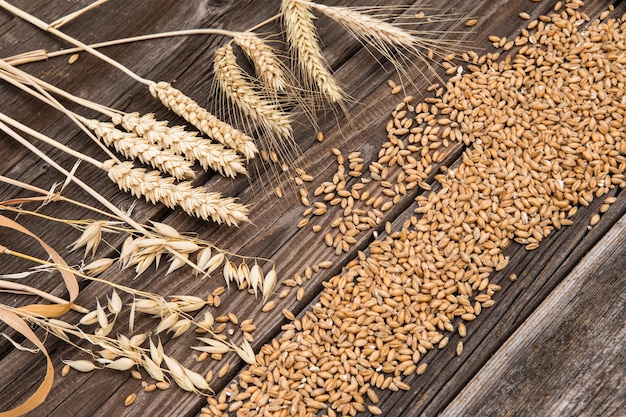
(194, 201)
(242, 94)
(204, 121)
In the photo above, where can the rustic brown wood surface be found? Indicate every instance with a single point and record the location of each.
(564, 308)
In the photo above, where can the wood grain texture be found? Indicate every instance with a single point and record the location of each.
(272, 233)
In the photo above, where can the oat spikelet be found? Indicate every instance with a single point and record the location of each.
(267, 66)
(204, 121)
(135, 147)
(210, 155)
(194, 201)
(239, 90)
(303, 41)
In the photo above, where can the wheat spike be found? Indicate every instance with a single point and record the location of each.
(204, 121)
(210, 155)
(365, 26)
(384, 36)
(267, 66)
(303, 41)
(239, 90)
(135, 147)
(193, 200)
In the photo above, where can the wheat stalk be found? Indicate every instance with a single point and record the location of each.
(303, 41)
(133, 146)
(239, 90)
(204, 121)
(194, 201)
(267, 66)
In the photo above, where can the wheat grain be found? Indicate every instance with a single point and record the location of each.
(303, 42)
(226, 161)
(240, 91)
(204, 121)
(194, 201)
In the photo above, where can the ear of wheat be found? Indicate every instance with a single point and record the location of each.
(304, 44)
(391, 41)
(364, 26)
(194, 201)
(268, 67)
(133, 146)
(204, 121)
(215, 156)
(238, 89)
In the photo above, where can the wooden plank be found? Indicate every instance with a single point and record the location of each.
(568, 357)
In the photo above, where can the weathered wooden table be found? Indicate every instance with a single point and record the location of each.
(553, 344)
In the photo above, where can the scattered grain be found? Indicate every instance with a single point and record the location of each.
(223, 370)
(162, 385)
(130, 399)
(269, 306)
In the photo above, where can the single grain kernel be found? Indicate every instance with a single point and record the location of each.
(130, 399)
(162, 385)
(421, 369)
(595, 219)
(223, 370)
(269, 306)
